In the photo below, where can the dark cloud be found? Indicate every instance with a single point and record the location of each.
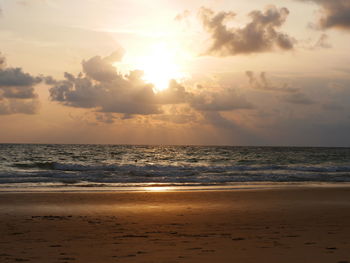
(260, 35)
(17, 94)
(262, 83)
(335, 13)
(15, 77)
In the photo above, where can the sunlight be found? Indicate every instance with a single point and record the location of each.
(157, 188)
(160, 65)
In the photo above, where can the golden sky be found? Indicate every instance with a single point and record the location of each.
(210, 72)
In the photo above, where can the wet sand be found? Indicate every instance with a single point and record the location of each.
(306, 224)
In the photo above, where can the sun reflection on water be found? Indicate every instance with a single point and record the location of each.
(157, 188)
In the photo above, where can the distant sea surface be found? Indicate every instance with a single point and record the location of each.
(29, 166)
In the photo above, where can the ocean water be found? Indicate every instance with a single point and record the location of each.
(29, 166)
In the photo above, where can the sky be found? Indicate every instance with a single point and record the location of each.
(209, 72)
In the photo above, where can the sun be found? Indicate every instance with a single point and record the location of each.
(160, 65)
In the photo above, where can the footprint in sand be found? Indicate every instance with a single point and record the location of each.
(310, 243)
(194, 248)
(238, 239)
(208, 250)
(331, 248)
(66, 258)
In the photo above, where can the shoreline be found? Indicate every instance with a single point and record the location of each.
(177, 188)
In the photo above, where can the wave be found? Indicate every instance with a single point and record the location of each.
(110, 178)
(77, 174)
(171, 168)
(110, 165)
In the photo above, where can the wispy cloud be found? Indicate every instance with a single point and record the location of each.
(262, 83)
(298, 98)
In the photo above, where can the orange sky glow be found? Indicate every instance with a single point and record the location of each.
(212, 72)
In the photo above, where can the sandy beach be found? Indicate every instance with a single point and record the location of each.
(299, 224)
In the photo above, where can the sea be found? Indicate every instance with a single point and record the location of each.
(59, 167)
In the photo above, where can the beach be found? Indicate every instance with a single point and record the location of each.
(295, 224)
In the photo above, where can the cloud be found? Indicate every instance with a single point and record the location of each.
(2, 62)
(17, 94)
(181, 16)
(262, 83)
(13, 106)
(227, 100)
(107, 118)
(106, 90)
(334, 13)
(102, 88)
(99, 69)
(217, 120)
(15, 77)
(292, 95)
(298, 98)
(179, 114)
(174, 94)
(332, 107)
(323, 42)
(259, 35)
(116, 56)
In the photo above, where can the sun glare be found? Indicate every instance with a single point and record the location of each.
(160, 65)
(157, 188)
